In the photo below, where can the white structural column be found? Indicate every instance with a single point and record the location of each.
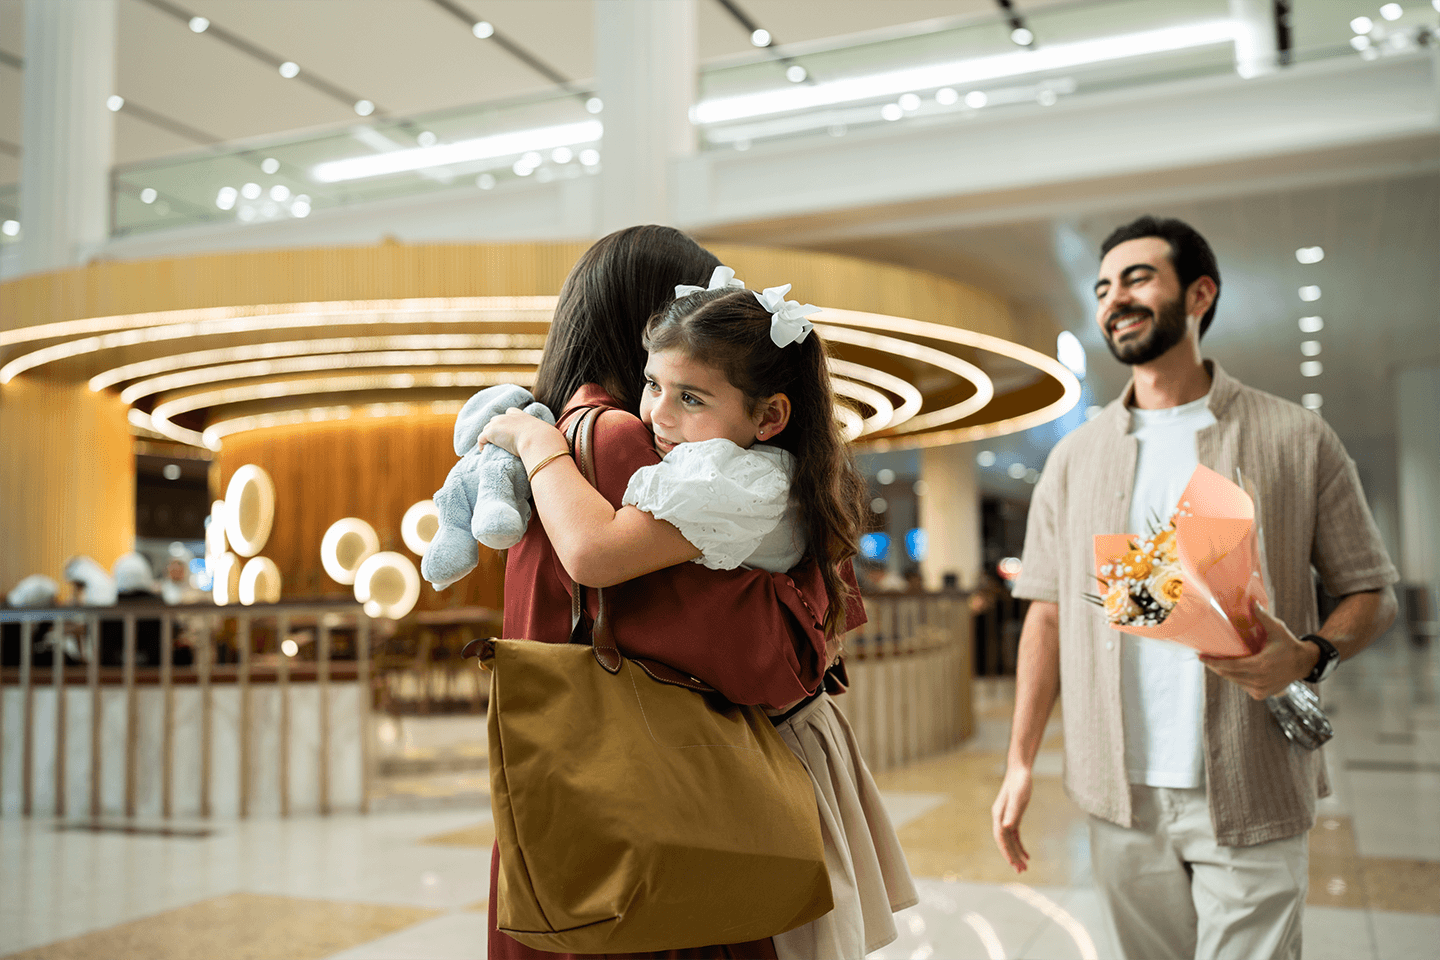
(645, 63)
(950, 516)
(1418, 395)
(69, 133)
(1257, 46)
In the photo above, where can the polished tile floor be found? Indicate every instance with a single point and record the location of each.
(411, 883)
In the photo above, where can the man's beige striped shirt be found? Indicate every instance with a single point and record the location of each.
(1261, 787)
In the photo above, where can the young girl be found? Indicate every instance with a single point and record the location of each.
(754, 472)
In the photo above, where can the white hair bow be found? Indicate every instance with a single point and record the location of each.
(723, 278)
(787, 321)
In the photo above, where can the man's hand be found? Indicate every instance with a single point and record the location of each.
(1005, 815)
(1281, 661)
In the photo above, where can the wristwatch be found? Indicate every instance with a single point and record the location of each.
(1329, 658)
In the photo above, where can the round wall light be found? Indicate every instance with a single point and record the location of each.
(346, 545)
(419, 526)
(259, 581)
(227, 579)
(388, 585)
(249, 509)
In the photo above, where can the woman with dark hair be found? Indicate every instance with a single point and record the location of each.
(756, 637)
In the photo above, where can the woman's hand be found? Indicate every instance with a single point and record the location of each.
(529, 438)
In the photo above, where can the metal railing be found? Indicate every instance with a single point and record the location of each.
(245, 647)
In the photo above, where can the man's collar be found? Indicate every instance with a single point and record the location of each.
(1223, 390)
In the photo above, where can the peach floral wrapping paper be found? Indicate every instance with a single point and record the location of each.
(1217, 543)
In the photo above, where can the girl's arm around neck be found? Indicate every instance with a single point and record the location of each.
(598, 545)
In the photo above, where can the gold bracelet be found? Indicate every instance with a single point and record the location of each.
(546, 462)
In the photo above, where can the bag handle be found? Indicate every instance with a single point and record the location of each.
(581, 434)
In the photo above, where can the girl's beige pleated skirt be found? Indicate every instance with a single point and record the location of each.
(869, 877)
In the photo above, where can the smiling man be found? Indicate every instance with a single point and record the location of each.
(1199, 805)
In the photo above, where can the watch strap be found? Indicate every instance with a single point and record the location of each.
(1329, 657)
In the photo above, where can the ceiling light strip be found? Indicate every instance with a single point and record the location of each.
(884, 409)
(216, 432)
(335, 361)
(909, 394)
(293, 348)
(463, 151)
(984, 388)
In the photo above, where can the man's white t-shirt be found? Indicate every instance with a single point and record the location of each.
(1163, 683)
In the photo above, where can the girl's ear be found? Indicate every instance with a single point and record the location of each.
(773, 417)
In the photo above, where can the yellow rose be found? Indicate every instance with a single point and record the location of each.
(1136, 565)
(1167, 586)
(1165, 545)
(1118, 605)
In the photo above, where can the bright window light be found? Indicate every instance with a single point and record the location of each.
(463, 151)
(1069, 351)
(963, 72)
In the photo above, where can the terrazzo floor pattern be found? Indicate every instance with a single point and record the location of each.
(399, 884)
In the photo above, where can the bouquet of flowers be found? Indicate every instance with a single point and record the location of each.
(1193, 580)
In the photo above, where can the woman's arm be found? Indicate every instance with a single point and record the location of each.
(598, 545)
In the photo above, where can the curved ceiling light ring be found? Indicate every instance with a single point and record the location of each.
(220, 429)
(910, 398)
(872, 398)
(254, 369)
(984, 388)
(269, 350)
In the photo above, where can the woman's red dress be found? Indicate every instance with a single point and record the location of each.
(754, 636)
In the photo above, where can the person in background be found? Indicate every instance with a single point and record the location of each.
(1199, 805)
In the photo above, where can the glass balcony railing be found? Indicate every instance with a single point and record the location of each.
(944, 72)
(546, 137)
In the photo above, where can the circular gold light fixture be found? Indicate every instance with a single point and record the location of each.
(249, 509)
(227, 579)
(259, 581)
(346, 545)
(388, 585)
(419, 526)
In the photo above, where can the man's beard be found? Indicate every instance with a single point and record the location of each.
(1166, 330)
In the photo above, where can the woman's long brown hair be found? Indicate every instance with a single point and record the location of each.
(611, 292)
(730, 330)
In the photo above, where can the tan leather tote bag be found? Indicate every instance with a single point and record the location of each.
(636, 809)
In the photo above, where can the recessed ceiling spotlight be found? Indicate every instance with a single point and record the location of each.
(946, 96)
(909, 102)
(976, 99)
(114, 102)
(1310, 254)
(1021, 37)
(289, 69)
(1016, 471)
(760, 38)
(11, 228)
(594, 105)
(986, 458)
(486, 181)
(1312, 401)
(269, 165)
(1311, 324)
(562, 155)
(1360, 43)
(251, 191)
(1362, 25)
(892, 111)
(226, 198)
(522, 169)
(1047, 98)
(300, 208)
(1311, 368)
(1392, 11)
(427, 139)
(1310, 348)
(1309, 293)
(279, 193)
(590, 157)
(199, 24)
(148, 195)
(532, 158)
(364, 107)
(171, 471)
(483, 30)
(795, 73)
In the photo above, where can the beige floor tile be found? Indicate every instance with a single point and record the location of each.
(480, 835)
(1404, 886)
(239, 926)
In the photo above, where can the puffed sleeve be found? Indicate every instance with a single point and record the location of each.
(723, 498)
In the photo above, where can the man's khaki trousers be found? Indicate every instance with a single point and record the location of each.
(1176, 894)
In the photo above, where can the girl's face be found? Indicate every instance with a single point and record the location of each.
(685, 401)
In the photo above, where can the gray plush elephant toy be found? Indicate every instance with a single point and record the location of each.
(486, 497)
